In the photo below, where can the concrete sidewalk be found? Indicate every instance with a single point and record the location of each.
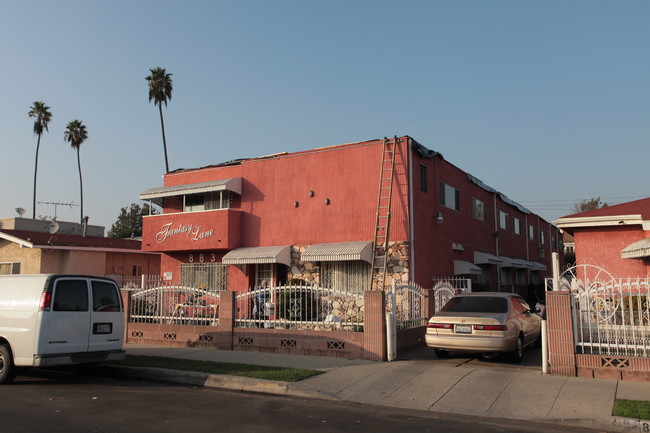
(422, 382)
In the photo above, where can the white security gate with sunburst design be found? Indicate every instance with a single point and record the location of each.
(611, 316)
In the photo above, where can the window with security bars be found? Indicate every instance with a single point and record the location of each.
(349, 276)
(208, 276)
(423, 178)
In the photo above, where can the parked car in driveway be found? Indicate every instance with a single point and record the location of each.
(489, 323)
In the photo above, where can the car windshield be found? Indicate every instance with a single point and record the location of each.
(476, 304)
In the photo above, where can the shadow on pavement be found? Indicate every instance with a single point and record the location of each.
(532, 358)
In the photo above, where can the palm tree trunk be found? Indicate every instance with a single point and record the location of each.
(162, 125)
(38, 145)
(81, 186)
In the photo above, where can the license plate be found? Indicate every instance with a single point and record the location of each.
(102, 328)
(463, 329)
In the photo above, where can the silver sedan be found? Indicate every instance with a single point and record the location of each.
(489, 323)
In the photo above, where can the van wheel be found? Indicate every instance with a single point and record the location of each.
(7, 368)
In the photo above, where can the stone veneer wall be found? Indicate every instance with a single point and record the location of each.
(397, 268)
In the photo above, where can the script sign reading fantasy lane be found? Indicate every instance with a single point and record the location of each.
(194, 233)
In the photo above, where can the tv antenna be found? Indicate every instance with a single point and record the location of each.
(56, 204)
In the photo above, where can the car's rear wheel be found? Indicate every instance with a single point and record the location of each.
(518, 354)
(7, 368)
(442, 354)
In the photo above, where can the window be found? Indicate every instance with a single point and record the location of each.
(531, 232)
(476, 304)
(9, 268)
(449, 196)
(506, 276)
(207, 201)
(136, 271)
(208, 276)
(517, 225)
(503, 220)
(541, 236)
(105, 296)
(263, 274)
(479, 210)
(423, 178)
(349, 276)
(71, 295)
(520, 277)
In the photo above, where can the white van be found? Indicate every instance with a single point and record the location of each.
(57, 319)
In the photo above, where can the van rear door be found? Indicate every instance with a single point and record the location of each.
(107, 316)
(64, 328)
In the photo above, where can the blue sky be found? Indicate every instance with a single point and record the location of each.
(547, 101)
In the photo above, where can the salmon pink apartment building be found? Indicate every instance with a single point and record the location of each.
(366, 213)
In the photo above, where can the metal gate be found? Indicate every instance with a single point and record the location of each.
(611, 316)
(446, 288)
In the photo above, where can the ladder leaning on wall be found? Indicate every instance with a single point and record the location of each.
(382, 221)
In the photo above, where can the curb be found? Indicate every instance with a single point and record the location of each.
(291, 389)
(222, 381)
(630, 424)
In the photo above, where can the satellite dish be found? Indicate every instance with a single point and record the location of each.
(20, 211)
(53, 227)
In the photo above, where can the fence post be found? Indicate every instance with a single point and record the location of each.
(560, 333)
(226, 326)
(374, 326)
(391, 325)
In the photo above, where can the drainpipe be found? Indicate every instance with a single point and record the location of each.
(496, 240)
(410, 210)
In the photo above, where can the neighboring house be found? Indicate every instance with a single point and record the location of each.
(616, 238)
(42, 249)
(313, 216)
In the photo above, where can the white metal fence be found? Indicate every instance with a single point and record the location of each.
(300, 307)
(409, 301)
(446, 288)
(611, 316)
(156, 301)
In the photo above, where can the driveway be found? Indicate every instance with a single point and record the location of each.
(532, 359)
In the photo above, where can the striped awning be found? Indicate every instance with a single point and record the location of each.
(536, 266)
(240, 256)
(157, 194)
(514, 263)
(486, 259)
(466, 268)
(637, 250)
(340, 251)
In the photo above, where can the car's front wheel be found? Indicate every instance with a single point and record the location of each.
(518, 354)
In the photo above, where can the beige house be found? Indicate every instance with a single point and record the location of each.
(34, 246)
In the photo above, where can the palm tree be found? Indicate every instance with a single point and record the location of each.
(160, 90)
(75, 134)
(43, 116)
